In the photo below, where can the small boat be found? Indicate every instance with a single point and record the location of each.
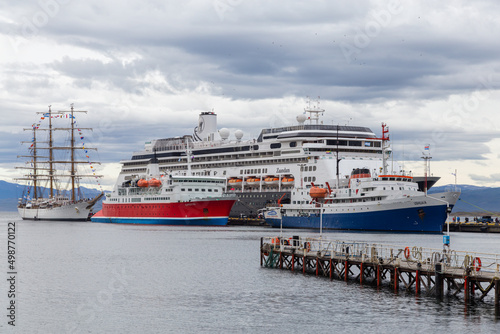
(142, 183)
(154, 183)
(287, 181)
(317, 192)
(271, 181)
(235, 182)
(253, 181)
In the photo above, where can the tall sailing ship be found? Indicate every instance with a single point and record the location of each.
(50, 164)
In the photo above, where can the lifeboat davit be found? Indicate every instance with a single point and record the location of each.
(154, 183)
(271, 180)
(287, 181)
(142, 183)
(316, 192)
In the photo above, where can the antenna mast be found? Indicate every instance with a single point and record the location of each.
(314, 111)
(427, 157)
(385, 139)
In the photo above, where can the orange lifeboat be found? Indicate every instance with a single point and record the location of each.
(271, 180)
(235, 182)
(154, 183)
(316, 192)
(253, 181)
(142, 183)
(287, 181)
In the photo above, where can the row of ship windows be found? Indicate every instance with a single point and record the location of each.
(354, 143)
(305, 214)
(345, 200)
(209, 190)
(215, 165)
(307, 168)
(363, 190)
(266, 154)
(197, 181)
(258, 159)
(259, 196)
(254, 171)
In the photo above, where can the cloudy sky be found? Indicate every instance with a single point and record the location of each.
(146, 69)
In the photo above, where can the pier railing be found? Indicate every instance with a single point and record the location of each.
(471, 263)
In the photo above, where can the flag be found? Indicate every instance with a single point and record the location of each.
(46, 114)
(453, 174)
(426, 147)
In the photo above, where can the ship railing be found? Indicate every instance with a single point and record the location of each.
(471, 263)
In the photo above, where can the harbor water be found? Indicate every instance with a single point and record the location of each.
(83, 277)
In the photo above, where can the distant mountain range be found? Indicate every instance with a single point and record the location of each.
(11, 192)
(473, 199)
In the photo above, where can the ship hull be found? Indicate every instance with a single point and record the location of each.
(68, 212)
(425, 215)
(213, 212)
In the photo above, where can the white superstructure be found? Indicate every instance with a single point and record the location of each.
(267, 168)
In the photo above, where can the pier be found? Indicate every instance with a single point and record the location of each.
(474, 227)
(438, 272)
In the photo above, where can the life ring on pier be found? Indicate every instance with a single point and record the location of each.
(407, 253)
(476, 263)
(308, 246)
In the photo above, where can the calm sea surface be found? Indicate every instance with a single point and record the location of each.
(103, 278)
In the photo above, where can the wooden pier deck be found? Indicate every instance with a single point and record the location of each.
(414, 269)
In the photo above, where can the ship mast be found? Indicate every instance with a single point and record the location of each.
(51, 156)
(314, 111)
(72, 155)
(73, 149)
(385, 139)
(35, 188)
(188, 156)
(338, 160)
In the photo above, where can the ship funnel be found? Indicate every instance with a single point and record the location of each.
(207, 127)
(153, 169)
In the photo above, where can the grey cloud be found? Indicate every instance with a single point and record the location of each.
(263, 50)
(485, 179)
